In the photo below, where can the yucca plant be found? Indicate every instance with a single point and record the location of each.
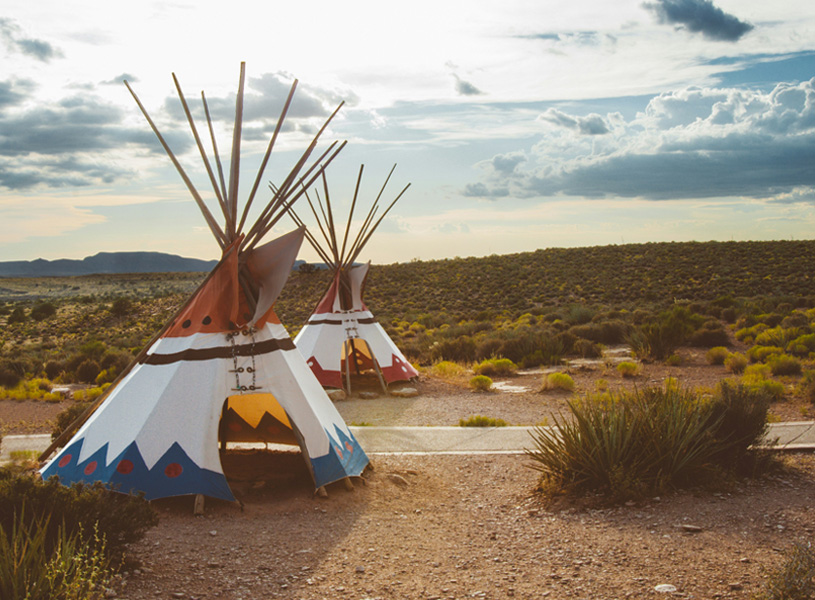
(629, 444)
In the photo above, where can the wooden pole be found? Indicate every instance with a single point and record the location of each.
(213, 225)
(351, 212)
(217, 155)
(234, 170)
(198, 143)
(267, 155)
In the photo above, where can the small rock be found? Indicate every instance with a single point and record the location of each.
(336, 395)
(665, 588)
(213, 533)
(360, 569)
(398, 480)
(178, 595)
(368, 395)
(691, 528)
(735, 586)
(405, 392)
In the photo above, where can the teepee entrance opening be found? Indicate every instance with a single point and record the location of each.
(252, 418)
(358, 359)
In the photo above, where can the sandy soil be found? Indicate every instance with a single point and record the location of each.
(455, 527)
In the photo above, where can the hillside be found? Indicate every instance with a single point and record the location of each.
(625, 276)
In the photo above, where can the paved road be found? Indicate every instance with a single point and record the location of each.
(454, 440)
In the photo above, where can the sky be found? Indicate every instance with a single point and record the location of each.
(519, 125)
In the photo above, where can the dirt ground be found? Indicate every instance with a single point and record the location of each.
(455, 527)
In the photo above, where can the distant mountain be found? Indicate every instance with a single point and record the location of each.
(104, 263)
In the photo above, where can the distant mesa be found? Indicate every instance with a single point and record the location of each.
(106, 263)
(117, 262)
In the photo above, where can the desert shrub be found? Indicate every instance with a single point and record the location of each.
(481, 383)
(806, 387)
(628, 369)
(784, 364)
(658, 339)
(795, 319)
(496, 367)
(777, 336)
(121, 307)
(447, 369)
(93, 349)
(71, 569)
(736, 362)
(31, 389)
(728, 315)
(650, 441)
(17, 316)
(579, 314)
(802, 345)
(558, 381)
(627, 445)
(717, 355)
(42, 311)
(87, 371)
(120, 519)
(66, 417)
(674, 360)
(763, 353)
(53, 368)
(748, 334)
(90, 394)
(794, 579)
(11, 372)
(481, 421)
(603, 332)
(740, 414)
(587, 349)
(549, 351)
(711, 334)
(462, 349)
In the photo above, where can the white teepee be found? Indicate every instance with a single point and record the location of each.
(342, 336)
(224, 367)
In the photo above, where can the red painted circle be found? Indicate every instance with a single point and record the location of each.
(64, 460)
(273, 429)
(173, 470)
(90, 467)
(124, 467)
(235, 426)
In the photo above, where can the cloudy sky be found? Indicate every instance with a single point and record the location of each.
(519, 124)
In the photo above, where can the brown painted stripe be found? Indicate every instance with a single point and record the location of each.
(264, 347)
(367, 321)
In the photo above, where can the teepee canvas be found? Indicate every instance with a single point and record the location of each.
(342, 336)
(223, 369)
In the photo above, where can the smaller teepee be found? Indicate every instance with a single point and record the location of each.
(341, 336)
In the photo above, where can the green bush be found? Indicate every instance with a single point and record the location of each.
(496, 367)
(121, 519)
(741, 416)
(481, 383)
(763, 353)
(784, 365)
(17, 316)
(794, 579)
(43, 310)
(481, 421)
(628, 369)
(736, 362)
(558, 381)
(717, 355)
(66, 417)
(87, 371)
